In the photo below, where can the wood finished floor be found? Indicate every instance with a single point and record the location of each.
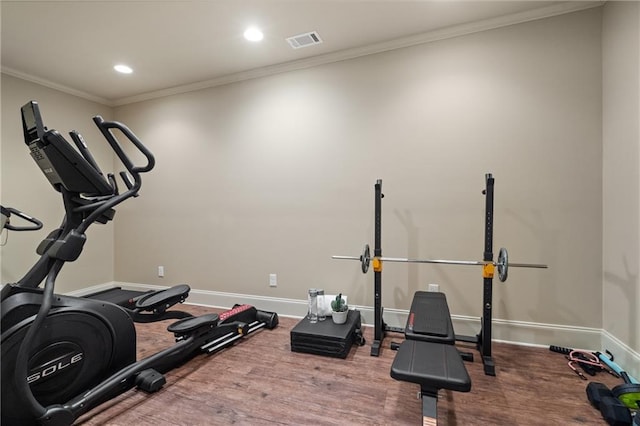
(260, 381)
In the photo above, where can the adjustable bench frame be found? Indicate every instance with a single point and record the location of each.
(433, 366)
(483, 339)
(428, 356)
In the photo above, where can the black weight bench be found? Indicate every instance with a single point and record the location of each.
(433, 366)
(428, 356)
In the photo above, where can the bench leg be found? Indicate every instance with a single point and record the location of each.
(429, 407)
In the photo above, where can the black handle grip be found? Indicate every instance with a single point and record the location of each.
(106, 126)
(36, 224)
(560, 350)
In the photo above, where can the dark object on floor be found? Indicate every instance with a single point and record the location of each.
(596, 391)
(614, 412)
(612, 409)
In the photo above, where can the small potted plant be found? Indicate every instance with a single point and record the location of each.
(339, 310)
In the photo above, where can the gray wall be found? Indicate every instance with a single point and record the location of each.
(24, 187)
(621, 165)
(274, 175)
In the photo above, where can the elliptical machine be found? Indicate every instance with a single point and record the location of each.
(62, 355)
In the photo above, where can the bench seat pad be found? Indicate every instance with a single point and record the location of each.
(431, 365)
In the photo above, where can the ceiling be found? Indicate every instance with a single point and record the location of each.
(180, 45)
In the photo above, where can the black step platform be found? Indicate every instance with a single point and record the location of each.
(327, 338)
(429, 319)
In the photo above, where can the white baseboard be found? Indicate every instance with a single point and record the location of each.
(508, 331)
(624, 356)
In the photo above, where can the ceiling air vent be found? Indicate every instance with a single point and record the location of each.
(304, 40)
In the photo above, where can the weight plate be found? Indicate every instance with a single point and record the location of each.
(503, 264)
(628, 394)
(365, 258)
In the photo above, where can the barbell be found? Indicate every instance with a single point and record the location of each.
(502, 264)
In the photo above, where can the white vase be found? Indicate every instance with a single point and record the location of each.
(339, 317)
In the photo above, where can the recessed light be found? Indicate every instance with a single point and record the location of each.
(253, 34)
(124, 69)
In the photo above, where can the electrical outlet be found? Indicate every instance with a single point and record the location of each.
(161, 271)
(273, 280)
(434, 288)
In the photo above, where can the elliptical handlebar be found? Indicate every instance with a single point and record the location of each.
(8, 211)
(133, 170)
(106, 126)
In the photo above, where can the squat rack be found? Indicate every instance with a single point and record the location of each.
(483, 339)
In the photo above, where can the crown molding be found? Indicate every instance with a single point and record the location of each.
(428, 37)
(59, 87)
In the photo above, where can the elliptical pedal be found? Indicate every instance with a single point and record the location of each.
(188, 325)
(160, 301)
